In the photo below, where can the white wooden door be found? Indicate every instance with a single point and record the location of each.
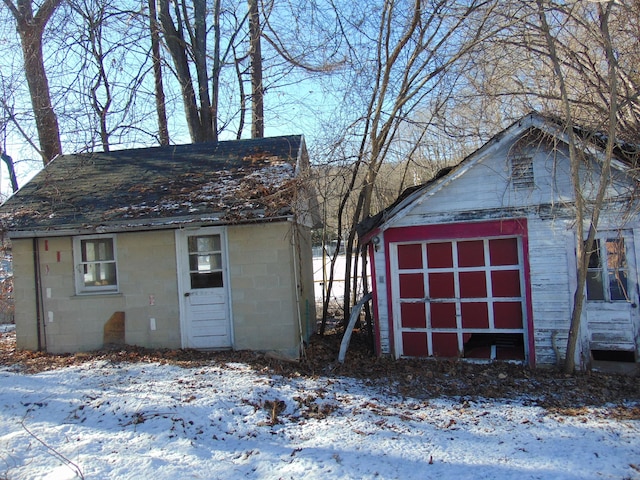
(612, 294)
(204, 309)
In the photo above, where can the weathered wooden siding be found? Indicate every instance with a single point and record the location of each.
(381, 279)
(551, 244)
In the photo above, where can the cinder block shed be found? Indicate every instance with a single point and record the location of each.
(204, 246)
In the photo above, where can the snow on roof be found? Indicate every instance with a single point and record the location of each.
(228, 182)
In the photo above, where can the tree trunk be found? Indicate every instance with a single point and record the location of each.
(199, 45)
(174, 38)
(31, 29)
(257, 89)
(216, 68)
(161, 109)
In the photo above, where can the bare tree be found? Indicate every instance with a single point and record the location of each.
(409, 67)
(585, 219)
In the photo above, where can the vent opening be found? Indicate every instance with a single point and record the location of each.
(613, 356)
(522, 172)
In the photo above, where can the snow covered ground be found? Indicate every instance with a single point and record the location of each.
(102, 420)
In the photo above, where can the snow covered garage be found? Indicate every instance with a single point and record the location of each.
(201, 246)
(480, 262)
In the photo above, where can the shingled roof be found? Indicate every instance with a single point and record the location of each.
(216, 183)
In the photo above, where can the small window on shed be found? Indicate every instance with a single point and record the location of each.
(522, 172)
(95, 264)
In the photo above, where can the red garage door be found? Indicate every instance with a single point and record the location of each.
(459, 298)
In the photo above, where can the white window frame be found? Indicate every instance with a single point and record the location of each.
(81, 288)
(605, 271)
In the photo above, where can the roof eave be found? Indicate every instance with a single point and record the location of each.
(173, 223)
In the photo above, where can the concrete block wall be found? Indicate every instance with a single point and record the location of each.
(24, 294)
(263, 300)
(148, 294)
(149, 284)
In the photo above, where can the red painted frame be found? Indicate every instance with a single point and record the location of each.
(458, 231)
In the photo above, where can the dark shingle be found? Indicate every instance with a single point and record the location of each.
(227, 181)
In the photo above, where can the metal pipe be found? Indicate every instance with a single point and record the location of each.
(42, 337)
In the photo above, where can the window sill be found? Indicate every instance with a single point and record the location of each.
(96, 294)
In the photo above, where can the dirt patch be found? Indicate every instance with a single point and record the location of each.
(417, 378)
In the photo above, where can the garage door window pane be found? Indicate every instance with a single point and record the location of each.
(439, 255)
(506, 283)
(443, 315)
(413, 315)
(474, 315)
(441, 285)
(471, 254)
(411, 285)
(414, 344)
(507, 315)
(409, 256)
(473, 285)
(504, 251)
(445, 345)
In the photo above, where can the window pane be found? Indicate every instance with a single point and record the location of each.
(193, 244)
(99, 274)
(193, 263)
(204, 244)
(594, 258)
(206, 280)
(204, 263)
(216, 261)
(97, 250)
(615, 254)
(88, 251)
(618, 285)
(595, 289)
